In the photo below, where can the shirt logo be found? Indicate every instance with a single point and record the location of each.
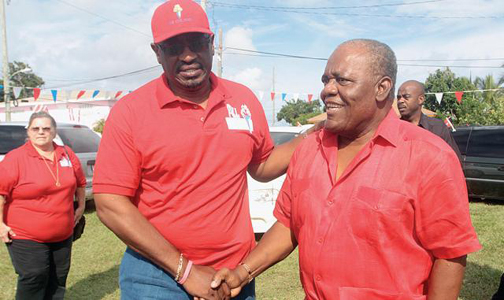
(178, 10)
(65, 162)
(242, 121)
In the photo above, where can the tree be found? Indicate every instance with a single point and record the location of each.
(488, 83)
(299, 111)
(22, 79)
(98, 125)
(473, 109)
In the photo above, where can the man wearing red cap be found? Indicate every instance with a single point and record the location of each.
(170, 177)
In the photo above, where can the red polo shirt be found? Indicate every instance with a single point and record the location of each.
(185, 166)
(374, 233)
(36, 209)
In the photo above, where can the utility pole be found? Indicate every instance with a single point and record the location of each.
(219, 55)
(273, 90)
(5, 64)
(203, 5)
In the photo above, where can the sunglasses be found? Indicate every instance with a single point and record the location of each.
(37, 129)
(175, 48)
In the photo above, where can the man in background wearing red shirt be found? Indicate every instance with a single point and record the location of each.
(378, 206)
(170, 177)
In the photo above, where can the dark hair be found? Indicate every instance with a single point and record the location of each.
(42, 114)
(383, 59)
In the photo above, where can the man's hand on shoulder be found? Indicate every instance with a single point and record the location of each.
(198, 284)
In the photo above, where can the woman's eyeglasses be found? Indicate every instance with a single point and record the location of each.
(37, 129)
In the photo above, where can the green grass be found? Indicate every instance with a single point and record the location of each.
(97, 255)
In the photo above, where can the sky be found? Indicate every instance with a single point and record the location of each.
(73, 43)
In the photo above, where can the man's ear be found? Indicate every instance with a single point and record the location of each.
(213, 45)
(156, 50)
(383, 88)
(421, 99)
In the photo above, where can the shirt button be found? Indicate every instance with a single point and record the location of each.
(195, 106)
(330, 202)
(320, 240)
(202, 119)
(318, 278)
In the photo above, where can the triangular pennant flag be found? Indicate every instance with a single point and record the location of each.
(272, 96)
(17, 91)
(283, 96)
(54, 95)
(117, 94)
(36, 93)
(68, 95)
(80, 94)
(439, 97)
(107, 95)
(310, 97)
(458, 95)
(295, 96)
(95, 93)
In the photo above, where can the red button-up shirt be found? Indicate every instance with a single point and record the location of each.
(185, 166)
(374, 233)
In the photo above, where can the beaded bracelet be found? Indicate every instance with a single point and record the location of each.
(179, 268)
(249, 271)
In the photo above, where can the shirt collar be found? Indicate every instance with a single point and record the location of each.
(30, 149)
(423, 121)
(165, 95)
(388, 130)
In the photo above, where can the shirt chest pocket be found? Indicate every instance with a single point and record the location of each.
(378, 199)
(377, 215)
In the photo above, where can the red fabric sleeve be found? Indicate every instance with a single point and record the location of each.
(443, 222)
(283, 205)
(9, 173)
(117, 168)
(263, 145)
(77, 167)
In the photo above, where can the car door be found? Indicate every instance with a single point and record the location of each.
(461, 136)
(484, 162)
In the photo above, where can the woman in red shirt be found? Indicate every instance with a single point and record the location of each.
(38, 182)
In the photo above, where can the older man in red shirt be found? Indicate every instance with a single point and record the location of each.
(377, 206)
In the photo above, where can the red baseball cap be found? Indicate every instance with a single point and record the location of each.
(176, 17)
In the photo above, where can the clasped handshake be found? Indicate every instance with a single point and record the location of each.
(204, 283)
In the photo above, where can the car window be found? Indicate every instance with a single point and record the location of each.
(282, 137)
(11, 137)
(81, 139)
(486, 143)
(461, 136)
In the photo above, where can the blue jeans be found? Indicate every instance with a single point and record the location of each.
(139, 278)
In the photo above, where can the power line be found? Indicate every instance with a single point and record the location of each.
(272, 54)
(217, 3)
(323, 11)
(106, 78)
(103, 18)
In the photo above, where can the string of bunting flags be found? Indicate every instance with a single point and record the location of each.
(459, 94)
(283, 96)
(66, 94)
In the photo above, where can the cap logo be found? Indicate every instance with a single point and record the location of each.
(178, 10)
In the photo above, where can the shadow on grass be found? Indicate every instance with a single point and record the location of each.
(480, 282)
(95, 286)
(486, 201)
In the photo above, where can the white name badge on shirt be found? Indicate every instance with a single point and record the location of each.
(239, 124)
(64, 162)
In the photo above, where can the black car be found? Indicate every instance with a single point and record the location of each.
(482, 150)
